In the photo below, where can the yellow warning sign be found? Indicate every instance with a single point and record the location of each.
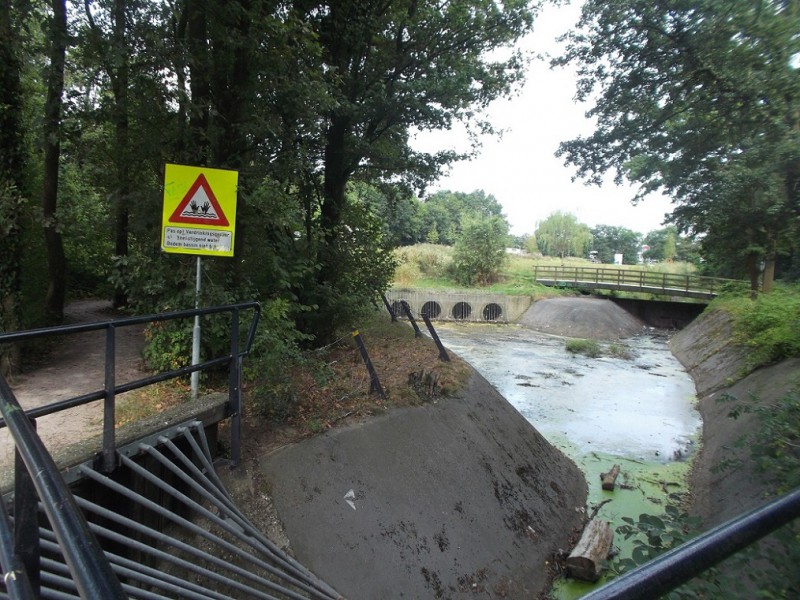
(199, 214)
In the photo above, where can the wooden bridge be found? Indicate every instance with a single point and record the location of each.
(631, 280)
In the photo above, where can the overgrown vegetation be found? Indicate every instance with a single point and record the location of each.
(768, 326)
(319, 388)
(594, 349)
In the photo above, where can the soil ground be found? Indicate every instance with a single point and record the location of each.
(76, 367)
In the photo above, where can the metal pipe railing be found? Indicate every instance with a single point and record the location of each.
(37, 474)
(111, 389)
(680, 564)
(84, 557)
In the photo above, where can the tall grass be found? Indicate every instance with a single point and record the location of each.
(429, 266)
(769, 325)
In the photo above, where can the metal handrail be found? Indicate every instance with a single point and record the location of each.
(88, 565)
(682, 563)
(665, 282)
(90, 569)
(110, 389)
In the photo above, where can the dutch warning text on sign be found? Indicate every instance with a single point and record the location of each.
(197, 239)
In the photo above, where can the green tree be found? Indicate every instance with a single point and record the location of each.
(445, 210)
(562, 235)
(389, 67)
(12, 184)
(700, 100)
(56, 259)
(609, 240)
(480, 249)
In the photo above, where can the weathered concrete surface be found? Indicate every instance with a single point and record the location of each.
(461, 498)
(716, 364)
(594, 318)
(462, 306)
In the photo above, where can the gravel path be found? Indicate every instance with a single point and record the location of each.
(75, 367)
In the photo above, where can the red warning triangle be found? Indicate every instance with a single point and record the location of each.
(200, 206)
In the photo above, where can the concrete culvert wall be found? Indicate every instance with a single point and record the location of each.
(424, 502)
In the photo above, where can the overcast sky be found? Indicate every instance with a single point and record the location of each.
(520, 169)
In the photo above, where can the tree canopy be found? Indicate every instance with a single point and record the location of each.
(609, 240)
(700, 100)
(312, 102)
(562, 235)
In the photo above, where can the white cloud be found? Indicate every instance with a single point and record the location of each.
(521, 169)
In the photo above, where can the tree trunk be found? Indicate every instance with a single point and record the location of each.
(768, 277)
(751, 264)
(121, 129)
(11, 178)
(56, 259)
(610, 478)
(585, 562)
(199, 107)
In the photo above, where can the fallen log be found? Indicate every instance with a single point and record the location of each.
(585, 560)
(610, 478)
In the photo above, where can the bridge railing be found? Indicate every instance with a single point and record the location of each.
(110, 388)
(630, 278)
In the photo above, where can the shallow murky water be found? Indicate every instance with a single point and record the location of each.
(640, 408)
(638, 412)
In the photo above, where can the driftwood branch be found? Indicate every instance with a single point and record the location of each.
(585, 562)
(610, 478)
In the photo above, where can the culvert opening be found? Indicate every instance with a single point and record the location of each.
(432, 309)
(397, 309)
(492, 312)
(462, 311)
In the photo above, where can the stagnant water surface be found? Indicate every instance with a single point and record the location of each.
(638, 412)
(640, 408)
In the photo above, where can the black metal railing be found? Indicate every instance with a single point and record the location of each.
(687, 561)
(110, 388)
(37, 475)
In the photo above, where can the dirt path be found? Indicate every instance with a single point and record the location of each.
(75, 367)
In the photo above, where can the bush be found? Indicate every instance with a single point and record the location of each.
(480, 250)
(769, 325)
(590, 348)
(276, 349)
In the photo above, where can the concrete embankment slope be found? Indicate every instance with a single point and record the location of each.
(460, 498)
(716, 364)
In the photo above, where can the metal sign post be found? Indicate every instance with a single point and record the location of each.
(196, 336)
(198, 217)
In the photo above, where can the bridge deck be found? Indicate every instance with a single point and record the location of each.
(631, 280)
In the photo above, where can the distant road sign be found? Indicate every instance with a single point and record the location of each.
(199, 213)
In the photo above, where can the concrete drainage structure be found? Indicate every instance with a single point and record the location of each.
(469, 307)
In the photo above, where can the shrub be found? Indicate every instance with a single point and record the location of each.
(590, 348)
(480, 250)
(769, 325)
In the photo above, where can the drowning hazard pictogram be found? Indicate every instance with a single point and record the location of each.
(199, 206)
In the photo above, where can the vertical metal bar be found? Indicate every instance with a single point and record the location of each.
(374, 382)
(109, 401)
(389, 308)
(26, 520)
(88, 565)
(15, 577)
(407, 310)
(195, 377)
(443, 356)
(234, 390)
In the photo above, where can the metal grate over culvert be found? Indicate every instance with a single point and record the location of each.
(206, 548)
